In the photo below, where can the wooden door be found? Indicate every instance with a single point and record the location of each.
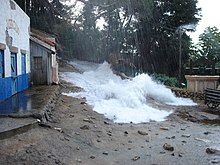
(39, 75)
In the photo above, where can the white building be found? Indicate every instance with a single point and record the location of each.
(14, 49)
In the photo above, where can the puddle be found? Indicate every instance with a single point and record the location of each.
(18, 103)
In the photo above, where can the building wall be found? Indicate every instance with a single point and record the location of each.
(14, 37)
(41, 72)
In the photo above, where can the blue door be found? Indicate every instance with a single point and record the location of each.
(1, 63)
(14, 81)
(23, 63)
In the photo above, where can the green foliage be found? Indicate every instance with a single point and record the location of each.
(141, 33)
(209, 43)
(162, 78)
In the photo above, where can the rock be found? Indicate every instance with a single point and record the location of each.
(168, 147)
(57, 161)
(105, 153)
(142, 133)
(66, 138)
(79, 160)
(58, 129)
(88, 120)
(212, 151)
(206, 133)
(136, 158)
(92, 157)
(186, 135)
(45, 125)
(83, 103)
(164, 128)
(72, 115)
(85, 127)
(203, 140)
(126, 132)
(215, 161)
(107, 123)
(180, 155)
(172, 137)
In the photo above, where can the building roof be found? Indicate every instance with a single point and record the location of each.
(43, 39)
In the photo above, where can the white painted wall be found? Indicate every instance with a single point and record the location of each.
(17, 23)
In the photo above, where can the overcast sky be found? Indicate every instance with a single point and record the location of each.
(211, 13)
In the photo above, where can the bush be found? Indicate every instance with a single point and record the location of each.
(162, 78)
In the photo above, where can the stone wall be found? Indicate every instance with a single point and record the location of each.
(181, 92)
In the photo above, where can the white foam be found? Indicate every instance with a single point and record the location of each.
(123, 101)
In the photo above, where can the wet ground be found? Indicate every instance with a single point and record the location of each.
(74, 134)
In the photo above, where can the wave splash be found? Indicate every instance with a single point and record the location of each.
(122, 101)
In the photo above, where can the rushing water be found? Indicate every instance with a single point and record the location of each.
(123, 101)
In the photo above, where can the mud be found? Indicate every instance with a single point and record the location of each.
(77, 135)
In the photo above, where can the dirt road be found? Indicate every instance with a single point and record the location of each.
(77, 135)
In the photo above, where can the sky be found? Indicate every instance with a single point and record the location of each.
(210, 17)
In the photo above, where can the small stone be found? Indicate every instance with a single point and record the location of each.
(72, 115)
(83, 103)
(136, 158)
(77, 133)
(88, 120)
(142, 133)
(206, 133)
(79, 160)
(168, 147)
(164, 128)
(186, 135)
(107, 123)
(92, 157)
(58, 129)
(105, 153)
(98, 140)
(172, 137)
(126, 132)
(57, 161)
(215, 161)
(180, 155)
(210, 151)
(173, 154)
(129, 141)
(85, 127)
(109, 134)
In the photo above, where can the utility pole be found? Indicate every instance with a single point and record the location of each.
(25, 6)
(180, 56)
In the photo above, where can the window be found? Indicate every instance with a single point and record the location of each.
(38, 63)
(2, 64)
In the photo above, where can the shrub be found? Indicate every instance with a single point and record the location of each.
(166, 80)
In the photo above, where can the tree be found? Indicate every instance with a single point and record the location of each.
(209, 43)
